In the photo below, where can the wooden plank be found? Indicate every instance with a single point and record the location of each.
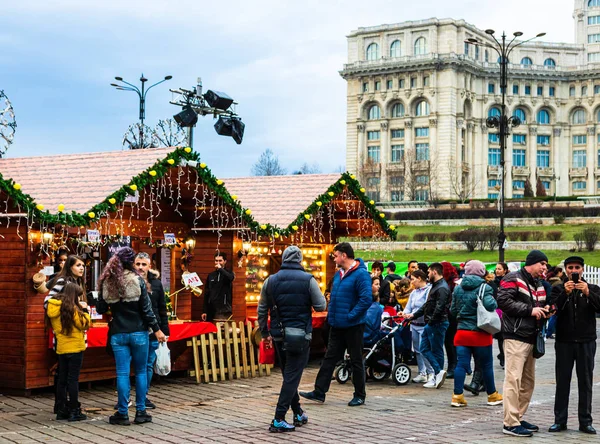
(220, 327)
(196, 359)
(213, 360)
(236, 349)
(204, 358)
(253, 368)
(244, 350)
(228, 326)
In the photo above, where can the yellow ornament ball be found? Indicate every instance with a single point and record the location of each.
(381, 215)
(61, 208)
(219, 182)
(112, 201)
(319, 203)
(372, 202)
(248, 212)
(362, 190)
(234, 196)
(307, 216)
(40, 207)
(17, 186)
(352, 176)
(152, 173)
(187, 149)
(91, 215)
(343, 182)
(275, 235)
(331, 193)
(171, 162)
(295, 227)
(263, 227)
(392, 227)
(133, 187)
(202, 165)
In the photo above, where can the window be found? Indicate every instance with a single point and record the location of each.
(526, 61)
(493, 196)
(413, 82)
(397, 153)
(397, 134)
(420, 46)
(596, 89)
(579, 139)
(389, 84)
(519, 158)
(365, 86)
(598, 164)
(491, 88)
(579, 185)
(493, 137)
(493, 183)
(519, 139)
(401, 83)
(466, 48)
(373, 154)
(593, 3)
(422, 108)
(579, 159)
(493, 156)
(584, 90)
(422, 132)
(421, 195)
(373, 181)
(422, 151)
(373, 195)
(578, 117)
(551, 91)
(550, 63)
(546, 184)
(396, 180)
(571, 91)
(426, 81)
(422, 180)
(373, 51)
(543, 117)
(593, 57)
(593, 38)
(397, 110)
(486, 55)
(518, 184)
(594, 20)
(374, 113)
(494, 112)
(527, 90)
(543, 159)
(373, 135)
(518, 196)
(396, 196)
(396, 49)
(520, 113)
(540, 90)
(543, 140)
(476, 52)
(377, 85)
(516, 89)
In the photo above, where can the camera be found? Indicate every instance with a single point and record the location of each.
(575, 277)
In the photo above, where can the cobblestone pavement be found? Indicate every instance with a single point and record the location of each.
(240, 411)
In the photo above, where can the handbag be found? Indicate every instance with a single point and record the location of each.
(488, 321)
(539, 346)
(266, 353)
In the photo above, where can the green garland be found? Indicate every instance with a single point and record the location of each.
(173, 160)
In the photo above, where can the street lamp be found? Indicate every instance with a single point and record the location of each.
(503, 122)
(141, 94)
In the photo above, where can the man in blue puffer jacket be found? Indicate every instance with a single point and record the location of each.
(351, 297)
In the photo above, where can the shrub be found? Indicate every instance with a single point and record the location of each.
(554, 235)
(525, 235)
(537, 235)
(559, 219)
(578, 238)
(437, 237)
(402, 238)
(591, 236)
(419, 237)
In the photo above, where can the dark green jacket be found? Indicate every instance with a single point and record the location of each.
(464, 301)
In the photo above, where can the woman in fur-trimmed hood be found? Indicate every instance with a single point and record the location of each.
(124, 293)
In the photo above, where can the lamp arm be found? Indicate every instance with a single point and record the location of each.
(150, 87)
(135, 88)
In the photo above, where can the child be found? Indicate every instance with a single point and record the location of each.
(70, 319)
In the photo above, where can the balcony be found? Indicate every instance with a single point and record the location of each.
(520, 171)
(395, 167)
(597, 172)
(371, 167)
(493, 171)
(578, 172)
(545, 171)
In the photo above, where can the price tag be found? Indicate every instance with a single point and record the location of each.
(93, 236)
(191, 280)
(48, 270)
(170, 239)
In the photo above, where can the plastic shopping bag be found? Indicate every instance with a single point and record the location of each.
(162, 366)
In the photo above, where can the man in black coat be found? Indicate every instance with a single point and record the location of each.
(576, 303)
(218, 291)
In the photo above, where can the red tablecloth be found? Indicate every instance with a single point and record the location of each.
(318, 319)
(96, 336)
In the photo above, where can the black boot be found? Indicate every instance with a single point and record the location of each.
(476, 383)
(76, 415)
(62, 412)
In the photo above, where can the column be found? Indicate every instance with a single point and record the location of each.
(556, 162)
(409, 145)
(590, 159)
(384, 152)
(532, 156)
(564, 161)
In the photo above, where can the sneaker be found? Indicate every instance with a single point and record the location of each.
(458, 401)
(356, 401)
(519, 431)
(312, 396)
(300, 419)
(495, 399)
(420, 378)
(530, 427)
(440, 378)
(141, 417)
(280, 426)
(430, 384)
(129, 404)
(119, 419)
(150, 404)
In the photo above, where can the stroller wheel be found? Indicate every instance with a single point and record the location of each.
(342, 374)
(377, 376)
(401, 374)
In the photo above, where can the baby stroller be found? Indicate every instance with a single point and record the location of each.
(383, 358)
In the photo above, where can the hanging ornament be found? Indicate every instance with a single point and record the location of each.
(381, 215)
(17, 186)
(362, 190)
(170, 161)
(331, 193)
(40, 207)
(372, 202)
(248, 212)
(319, 203)
(343, 182)
(152, 173)
(133, 187)
(91, 215)
(112, 201)
(202, 165)
(187, 150)
(307, 216)
(295, 227)
(219, 182)
(352, 176)
(61, 208)
(234, 197)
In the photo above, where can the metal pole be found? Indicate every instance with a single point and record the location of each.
(142, 100)
(503, 133)
(190, 137)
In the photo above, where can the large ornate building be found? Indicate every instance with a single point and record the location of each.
(418, 98)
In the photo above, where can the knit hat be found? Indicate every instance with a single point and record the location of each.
(574, 260)
(534, 257)
(475, 268)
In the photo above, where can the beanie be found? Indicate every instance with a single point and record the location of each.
(475, 268)
(534, 257)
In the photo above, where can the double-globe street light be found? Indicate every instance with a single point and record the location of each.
(503, 122)
(126, 86)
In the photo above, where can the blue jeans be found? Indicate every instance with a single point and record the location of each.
(551, 328)
(485, 361)
(129, 347)
(432, 344)
(152, 347)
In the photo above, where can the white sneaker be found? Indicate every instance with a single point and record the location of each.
(420, 378)
(430, 384)
(440, 378)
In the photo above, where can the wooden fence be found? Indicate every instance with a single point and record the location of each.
(231, 352)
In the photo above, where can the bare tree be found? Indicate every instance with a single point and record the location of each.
(268, 165)
(308, 169)
(462, 185)
(411, 186)
(139, 137)
(168, 133)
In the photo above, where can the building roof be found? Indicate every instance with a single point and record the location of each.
(278, 200)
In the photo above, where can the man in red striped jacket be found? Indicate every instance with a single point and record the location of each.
(522, 298)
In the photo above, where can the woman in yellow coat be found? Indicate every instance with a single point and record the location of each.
(70, 319)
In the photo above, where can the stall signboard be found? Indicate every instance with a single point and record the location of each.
(165, 268)
(125, 241)
(93, 236)
(191, 280)
(170, 239)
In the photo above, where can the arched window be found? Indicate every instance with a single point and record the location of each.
(598, 116)
(373, 51)
(374, 113)
(543, 117)
(494, 112)
(520, 114)
(578, 117)
(396, 49)
(422, 108)
(398, 110)
(593, 3)
(550, 63)
(420, 46)
(526, 61)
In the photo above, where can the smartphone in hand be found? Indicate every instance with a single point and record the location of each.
(575, 277)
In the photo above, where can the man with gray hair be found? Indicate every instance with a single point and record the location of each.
(289, 296)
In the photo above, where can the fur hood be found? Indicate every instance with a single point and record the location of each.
(130, 292)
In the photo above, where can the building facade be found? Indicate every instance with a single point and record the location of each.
(418, 98)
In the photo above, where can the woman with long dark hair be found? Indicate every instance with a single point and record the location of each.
(72, 271)
(124, 293)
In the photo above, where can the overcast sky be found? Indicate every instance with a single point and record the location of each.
(279, 59)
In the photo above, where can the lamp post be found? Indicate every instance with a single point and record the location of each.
(141, 93)
(503, 122)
